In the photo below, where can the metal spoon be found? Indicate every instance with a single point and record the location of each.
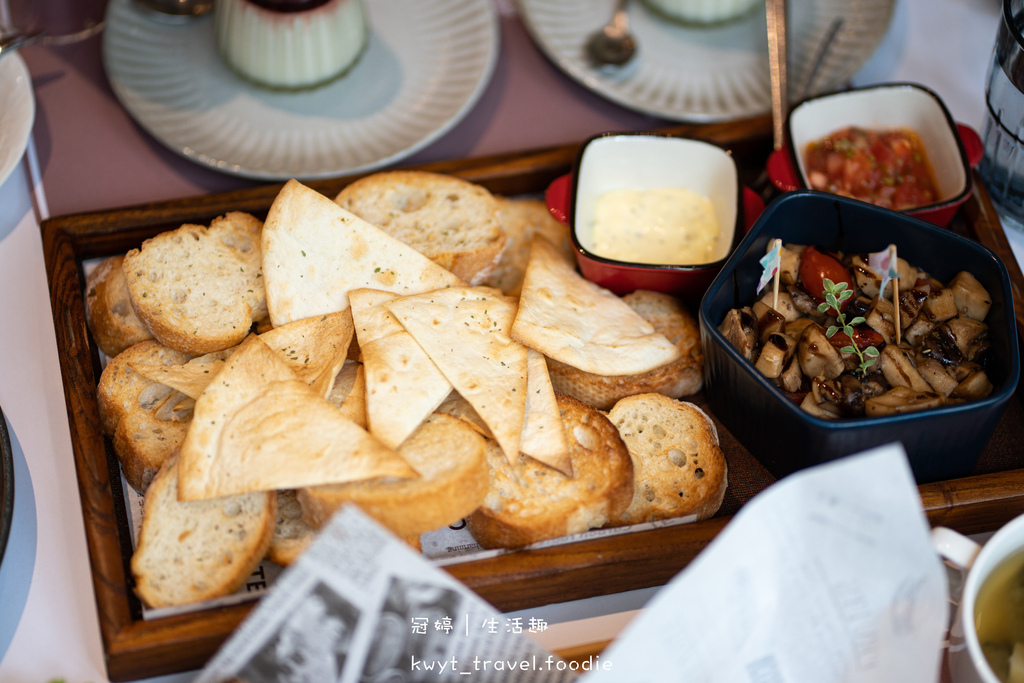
(613, 45)
(10, 42)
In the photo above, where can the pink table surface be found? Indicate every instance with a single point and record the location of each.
(94, 156)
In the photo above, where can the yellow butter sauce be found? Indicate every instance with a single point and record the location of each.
(669, 225)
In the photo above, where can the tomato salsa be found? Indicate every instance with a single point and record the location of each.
(887, 168)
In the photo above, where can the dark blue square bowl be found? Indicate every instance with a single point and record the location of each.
(943, 443)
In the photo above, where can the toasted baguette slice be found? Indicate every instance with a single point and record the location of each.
(146, 420)
(448, 454)
(531, 502)
(120, 387)
(349, 392)
(108, 309)
(291, 534)
(678, 467)
(683, 376)
(521, 219)
(200, 289)
(194, 551)
(451, 221)
(143, 441)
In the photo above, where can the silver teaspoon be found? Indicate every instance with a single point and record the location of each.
(613, 45)
(10, 42)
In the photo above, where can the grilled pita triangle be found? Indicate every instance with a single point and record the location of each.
(315, 253)
(464, 330)
(257, 427)
(572, 320)
(403, 386)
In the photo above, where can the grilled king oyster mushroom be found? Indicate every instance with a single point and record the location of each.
(939, 360)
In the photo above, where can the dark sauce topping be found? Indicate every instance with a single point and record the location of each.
(289, 5)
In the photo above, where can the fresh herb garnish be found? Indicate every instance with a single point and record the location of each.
(834, 295)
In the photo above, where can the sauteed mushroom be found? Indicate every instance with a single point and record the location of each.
(836, 368)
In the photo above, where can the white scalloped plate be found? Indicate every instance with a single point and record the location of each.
(426, 64)
(710, 73)
(17, 112)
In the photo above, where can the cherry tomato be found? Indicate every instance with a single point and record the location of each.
(862, 334)
(815, 266)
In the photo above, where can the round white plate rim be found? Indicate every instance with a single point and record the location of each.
(606, 83)
(142, 110)
(17, 112)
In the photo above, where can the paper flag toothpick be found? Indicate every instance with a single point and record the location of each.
(771, 264)
(884, 263)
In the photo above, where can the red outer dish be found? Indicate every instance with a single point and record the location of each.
(784, 175)
(686, 282)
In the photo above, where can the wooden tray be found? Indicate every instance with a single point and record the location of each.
(135, 648)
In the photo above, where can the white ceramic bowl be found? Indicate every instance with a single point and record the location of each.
(641, 161)
(885, 107)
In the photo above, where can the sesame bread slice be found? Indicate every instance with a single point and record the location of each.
(449, 455)
(531, 502)
(521, 219)
(451, 221)
(683, 376)
(190, 551)
(679, 468)
(200, 289)
(108, 309)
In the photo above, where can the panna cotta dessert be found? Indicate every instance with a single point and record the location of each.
(703, 11)
(290, 44)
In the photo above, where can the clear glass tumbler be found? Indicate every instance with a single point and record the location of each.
(1002, 167)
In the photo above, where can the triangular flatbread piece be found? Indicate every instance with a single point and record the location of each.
(315, 252)
(574, 321)
(190, 378)
(543, 434)
(257, 427)
(464, 330)
(403, 386)
(315, 348)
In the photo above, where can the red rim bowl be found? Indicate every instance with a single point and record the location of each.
(953, 149)
(688, 282)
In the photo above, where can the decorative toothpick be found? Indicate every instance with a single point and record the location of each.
(886, 264)
(772, 264)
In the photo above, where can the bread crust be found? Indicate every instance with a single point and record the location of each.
(120, 385)
(108, 309)
(205, 308)
(291, 534)
(521, 219)
(143, 442)
(194, 551)
(532, 502)
(449, 455)
(681, 377)
(678, 465)
(145, 420)
(451, 221)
